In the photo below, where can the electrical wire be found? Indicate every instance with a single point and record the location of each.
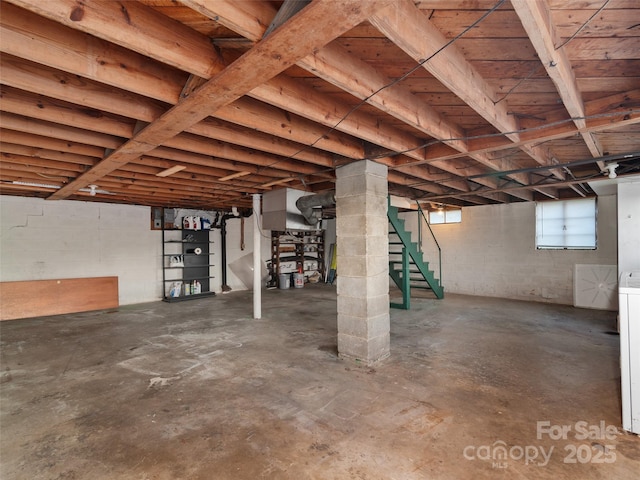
(577, 32)
(392, 83)
(487, 136)
(501, 134)
(533, 72)
(517, 85)
(453, 139)
(481, 191)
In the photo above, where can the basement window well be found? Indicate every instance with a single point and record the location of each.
(566, 224)
(445, 216)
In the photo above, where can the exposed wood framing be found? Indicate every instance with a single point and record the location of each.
(459, 99)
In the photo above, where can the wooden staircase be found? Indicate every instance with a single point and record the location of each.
(407, 267)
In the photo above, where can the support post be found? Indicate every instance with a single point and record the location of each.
(406, 280)
(363, 261)
(257, 286)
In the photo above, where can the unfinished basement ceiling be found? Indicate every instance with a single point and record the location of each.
(467, 102)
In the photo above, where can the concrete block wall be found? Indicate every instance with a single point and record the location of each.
(41, 239)
(492, 253)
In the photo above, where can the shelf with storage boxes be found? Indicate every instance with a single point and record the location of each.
(297, 251)
(187, 261)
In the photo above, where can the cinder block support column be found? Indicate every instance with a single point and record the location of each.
(363, 261)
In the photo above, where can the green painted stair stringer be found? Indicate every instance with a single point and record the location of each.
(414, 254)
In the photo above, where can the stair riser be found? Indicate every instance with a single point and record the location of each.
(416, 257)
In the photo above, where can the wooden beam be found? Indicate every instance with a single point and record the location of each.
(536, 20)
(63, 114)
(540, 187)
(220, 154)
(338, 67)
(21, 103)
(27, 151)
(316, 107)
(40, 40)
(184, 147)
(276, 121)
(351, 74)
(47, 158)
(155, 35)
(56, 84)
(307, 102)
(48, 170)
(38, 142)
(53, 130)
(268, 58)
(410, 29)
(609, 113)
(251, 114)
(15, 101)
(247, 16)
(40, 147)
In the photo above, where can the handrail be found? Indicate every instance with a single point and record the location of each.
(433, 236)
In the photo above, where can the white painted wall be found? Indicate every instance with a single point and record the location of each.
(238, 259)
(41, 239)
(628, 227)
(492, 253)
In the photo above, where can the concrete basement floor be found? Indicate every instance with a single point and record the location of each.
(200, 390)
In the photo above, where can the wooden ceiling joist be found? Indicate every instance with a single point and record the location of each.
(535, 18)
(458, 99)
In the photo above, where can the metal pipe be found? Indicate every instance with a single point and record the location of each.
(305, 205)
(607, 158)
(223, 253)
(223, 246)
(257, 287)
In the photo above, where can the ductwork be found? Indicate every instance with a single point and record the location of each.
(307, 203)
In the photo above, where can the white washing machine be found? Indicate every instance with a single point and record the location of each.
(629, 293)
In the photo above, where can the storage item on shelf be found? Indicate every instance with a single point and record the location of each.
(187, 261)
(296, 251)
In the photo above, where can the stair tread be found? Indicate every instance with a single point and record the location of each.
(411, 262)
(417, 279)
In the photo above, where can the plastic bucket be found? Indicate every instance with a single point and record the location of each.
(298, 280)
(284, 281)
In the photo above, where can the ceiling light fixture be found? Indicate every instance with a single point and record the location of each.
(233, 175)
(611, 170)
(34, 184)
(171, 171)
(93, 189)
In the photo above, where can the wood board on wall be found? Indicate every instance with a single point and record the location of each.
(35, 298)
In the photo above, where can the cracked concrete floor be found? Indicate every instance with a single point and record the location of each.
(200, 390)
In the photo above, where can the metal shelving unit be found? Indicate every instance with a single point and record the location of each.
(186, 257)
(296, 250)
